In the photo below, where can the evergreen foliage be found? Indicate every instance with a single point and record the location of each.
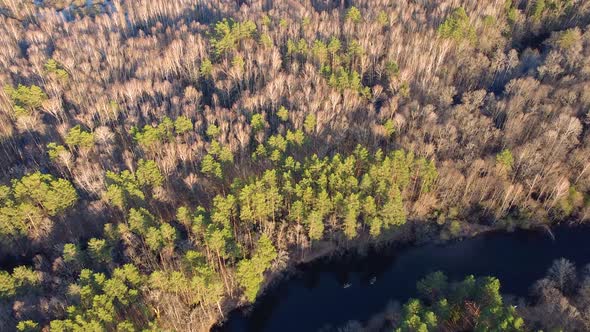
(30, 200)
(473, 304)
(457, 26)
(25, 98)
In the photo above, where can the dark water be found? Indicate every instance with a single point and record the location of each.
(316, 297)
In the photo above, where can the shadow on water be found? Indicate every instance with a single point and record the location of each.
(316, 296)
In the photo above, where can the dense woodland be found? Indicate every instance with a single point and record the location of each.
(162, 161)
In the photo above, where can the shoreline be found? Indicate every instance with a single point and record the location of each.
(360, 246)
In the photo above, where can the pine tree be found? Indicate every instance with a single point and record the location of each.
(148, 174)
(352, 213)
(393, 213)
(354, 15)
(123, 189)
(316, 225)
(182, 125)
(250, 272)
(79, 138)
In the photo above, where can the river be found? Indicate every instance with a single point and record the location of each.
(316, 297)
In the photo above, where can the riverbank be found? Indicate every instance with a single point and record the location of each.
(410, 235)
(319, 284)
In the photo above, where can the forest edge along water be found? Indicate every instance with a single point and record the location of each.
(316, 297)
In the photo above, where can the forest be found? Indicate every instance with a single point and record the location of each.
(163, 162)
(476, 304)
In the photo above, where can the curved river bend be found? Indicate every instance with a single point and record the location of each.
(316, 298)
